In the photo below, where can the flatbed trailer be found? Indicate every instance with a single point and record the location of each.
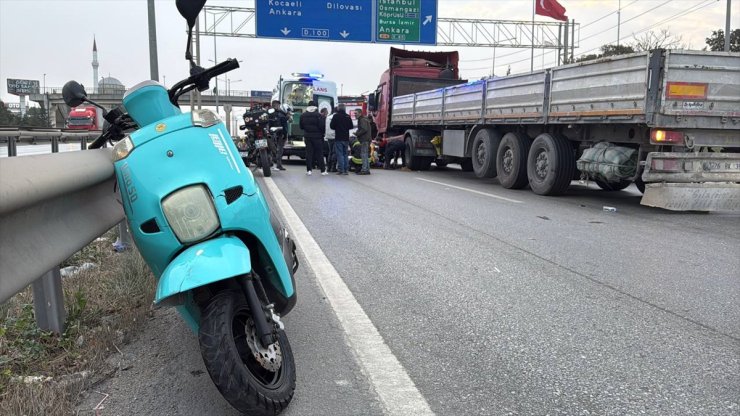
(677, 113)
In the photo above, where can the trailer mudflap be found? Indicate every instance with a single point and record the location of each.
(693, 196)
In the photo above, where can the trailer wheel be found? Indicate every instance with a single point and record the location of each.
(416, 162)
(613, 186)
(551, 164)
(466, 165)
(511, 160)
(485, 145)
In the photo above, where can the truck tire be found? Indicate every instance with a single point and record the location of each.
(466, 165)
(511, 160)
(440, 163)
(551, 164)
(416, 162)
(613, 186)
(485, 145)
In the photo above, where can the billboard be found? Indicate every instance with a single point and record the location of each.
(14, 108)
(23, 86)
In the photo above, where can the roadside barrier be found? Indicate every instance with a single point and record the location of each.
(51, 206)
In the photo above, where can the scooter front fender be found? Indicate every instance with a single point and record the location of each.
(202, 264)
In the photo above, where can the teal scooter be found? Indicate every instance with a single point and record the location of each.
(201, 223)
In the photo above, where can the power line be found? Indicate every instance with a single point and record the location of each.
(582, 27)
(607, 15)
(695, 7)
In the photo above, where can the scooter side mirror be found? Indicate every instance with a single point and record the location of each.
(74, 94)
(189, 9)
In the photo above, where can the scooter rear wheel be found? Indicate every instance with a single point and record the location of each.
(242, 375)
(265, 162)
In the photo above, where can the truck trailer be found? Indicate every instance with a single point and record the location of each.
(666, 120)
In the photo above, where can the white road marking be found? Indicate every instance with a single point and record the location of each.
(497, 270)
(472, 190)
(392, 384)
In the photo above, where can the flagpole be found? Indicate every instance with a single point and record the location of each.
(531, 60)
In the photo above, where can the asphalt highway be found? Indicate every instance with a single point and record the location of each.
(493, 302)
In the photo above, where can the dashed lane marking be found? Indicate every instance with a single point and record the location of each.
(471, 190)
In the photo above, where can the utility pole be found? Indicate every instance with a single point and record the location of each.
(727, 27)
(566, 45)
(215, 58)
(153, 63)
(619, 20)
(531, 59)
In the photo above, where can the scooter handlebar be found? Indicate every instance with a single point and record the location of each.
(200, 77)
(98, 143)
(222, 68)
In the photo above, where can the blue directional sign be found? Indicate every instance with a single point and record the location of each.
(340, 20)
(387, 21)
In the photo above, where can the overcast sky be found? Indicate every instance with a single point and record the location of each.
(54, 37)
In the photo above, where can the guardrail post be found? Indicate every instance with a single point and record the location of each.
(83, 143)
(54, 144)
(48, 301)
(12, 150)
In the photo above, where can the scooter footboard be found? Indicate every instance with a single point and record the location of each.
(202, 264)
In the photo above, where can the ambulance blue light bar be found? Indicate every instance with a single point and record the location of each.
(313, 75)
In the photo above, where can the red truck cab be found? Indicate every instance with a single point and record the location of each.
(85, 118)
(409, 72)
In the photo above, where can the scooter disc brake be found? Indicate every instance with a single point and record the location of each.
(270, 358)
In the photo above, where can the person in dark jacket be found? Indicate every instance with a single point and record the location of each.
(312, 125)
(364, 133)
(341, 122)
(280, 120)
(393, 150)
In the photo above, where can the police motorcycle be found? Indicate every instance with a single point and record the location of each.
(258, 143)
(201, 223)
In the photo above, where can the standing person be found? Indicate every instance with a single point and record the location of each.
(364, 131)
(313, 134)
(281, 119)
(329, 136)
(324, 148)
(373, 127)
(341, 122)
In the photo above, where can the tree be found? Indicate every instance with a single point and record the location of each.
(661, 40)
(6, 117)
(35, 117)
(716, 42)
(611, 50)
(607, 50)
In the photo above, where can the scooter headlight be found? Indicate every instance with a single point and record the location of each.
(204, 118)
(191, 213)
(122, 148)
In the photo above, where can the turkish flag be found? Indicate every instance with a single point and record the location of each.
(550, 8)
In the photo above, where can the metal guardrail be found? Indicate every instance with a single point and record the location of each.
(51, 206)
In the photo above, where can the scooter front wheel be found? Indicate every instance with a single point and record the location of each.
(255, 380)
